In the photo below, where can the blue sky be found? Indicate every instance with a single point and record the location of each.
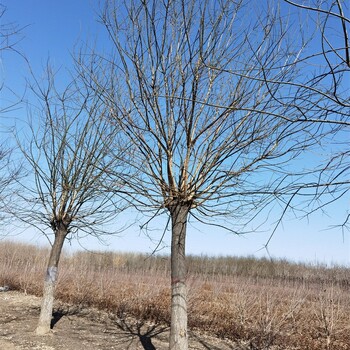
(53, 29)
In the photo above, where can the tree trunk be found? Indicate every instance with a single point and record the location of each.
(178, 329)
(44, 324)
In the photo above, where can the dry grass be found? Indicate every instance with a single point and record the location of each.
(266, 305)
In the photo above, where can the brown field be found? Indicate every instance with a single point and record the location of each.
(263, 304)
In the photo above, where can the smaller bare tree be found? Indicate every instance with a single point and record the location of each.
(67, 152)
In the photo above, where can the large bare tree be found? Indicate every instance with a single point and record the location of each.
(67, 150)
(185, 85)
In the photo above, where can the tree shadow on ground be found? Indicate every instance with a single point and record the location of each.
(143, 330)
(59, 313)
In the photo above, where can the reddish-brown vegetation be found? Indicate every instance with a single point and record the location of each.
(267, 304)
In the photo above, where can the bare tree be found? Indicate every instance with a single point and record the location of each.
(9, 33)
(10, 173)
(325, 84)
(325, 63)
(10, 169)
(10, 36)
(67, 152)
(332, 21)
(185, 85)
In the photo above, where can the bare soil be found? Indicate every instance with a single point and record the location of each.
(87, 329)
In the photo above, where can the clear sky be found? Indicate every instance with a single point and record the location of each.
(52, 29)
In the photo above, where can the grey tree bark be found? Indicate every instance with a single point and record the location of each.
(44, 323)
(178, 334)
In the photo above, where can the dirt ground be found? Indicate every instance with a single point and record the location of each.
(75, 329)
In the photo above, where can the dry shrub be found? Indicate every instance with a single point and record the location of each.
(265, 305)
(22, 266)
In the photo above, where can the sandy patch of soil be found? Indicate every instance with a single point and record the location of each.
(86, 329)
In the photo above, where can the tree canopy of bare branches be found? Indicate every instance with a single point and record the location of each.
(9, 32)
(10, 169)
(10, 172)
(326, 64)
